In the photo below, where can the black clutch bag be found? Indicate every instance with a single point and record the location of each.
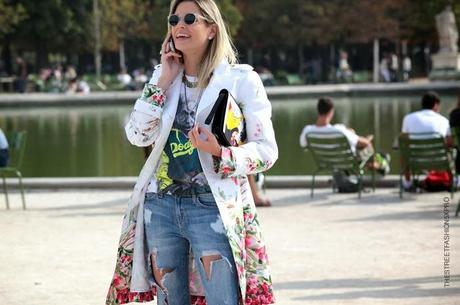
(228, 123)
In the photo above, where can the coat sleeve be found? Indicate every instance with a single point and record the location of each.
(143, 127)
(260, 151)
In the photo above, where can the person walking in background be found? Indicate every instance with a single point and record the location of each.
(384, 69)
(78, 85)
(394, 67)
(70, 73)
(4, 155)
(21, 75)
(344, 72)
(125, 80)
(140, 78)
(407, 68)
(191, 233)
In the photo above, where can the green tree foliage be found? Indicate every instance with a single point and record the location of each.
(419, 18)
(366, 20)
(231, 15)
(123, 19)
(57, 25)
(10, 16)
(54, 26)
(66, 26)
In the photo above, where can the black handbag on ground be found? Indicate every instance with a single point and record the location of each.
(228, 124)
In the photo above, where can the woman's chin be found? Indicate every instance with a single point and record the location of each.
(182, 43)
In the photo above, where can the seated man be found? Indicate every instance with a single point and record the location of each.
(358, 144)
(325, 108)
(3, 149)
(427, 120)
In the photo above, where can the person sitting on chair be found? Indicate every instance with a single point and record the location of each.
(362, 146)
(325, 108)
(4, 156)
(426, 120)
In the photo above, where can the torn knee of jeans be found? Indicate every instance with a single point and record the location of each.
(159, 274)
(218, 225)
(207, 259)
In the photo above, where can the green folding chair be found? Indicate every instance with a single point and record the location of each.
(332, 152)
(16, 143)
(456, 139)
(422, 152)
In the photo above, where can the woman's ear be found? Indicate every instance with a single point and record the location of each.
(212, 32)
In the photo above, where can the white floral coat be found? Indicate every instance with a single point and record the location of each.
(226, 177)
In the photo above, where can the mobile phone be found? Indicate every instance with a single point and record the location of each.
(172, 48)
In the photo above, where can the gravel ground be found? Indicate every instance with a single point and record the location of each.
(334, 249)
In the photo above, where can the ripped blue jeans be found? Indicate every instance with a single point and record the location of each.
(172, 225)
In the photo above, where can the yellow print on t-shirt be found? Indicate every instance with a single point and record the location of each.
(180, 149)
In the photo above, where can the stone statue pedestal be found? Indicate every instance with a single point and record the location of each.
(446, 63)
(449, 61)
(446, 67)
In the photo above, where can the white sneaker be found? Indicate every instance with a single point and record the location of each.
(406, 184)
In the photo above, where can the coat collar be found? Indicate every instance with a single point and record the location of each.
(217, 83)
(211, 92)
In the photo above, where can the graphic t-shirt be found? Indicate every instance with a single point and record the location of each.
(180, 169)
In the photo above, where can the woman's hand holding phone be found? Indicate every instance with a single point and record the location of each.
(170, 64)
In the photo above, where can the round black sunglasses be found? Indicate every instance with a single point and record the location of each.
(188, 19)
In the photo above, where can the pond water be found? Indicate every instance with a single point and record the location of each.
(90, 141)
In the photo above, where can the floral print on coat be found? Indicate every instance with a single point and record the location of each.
(227, 177)
(258, 286)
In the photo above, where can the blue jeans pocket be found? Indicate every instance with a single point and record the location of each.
(206, 200)
(150, 197)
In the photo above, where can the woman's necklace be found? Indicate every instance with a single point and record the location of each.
(186, 101)
(191, 85)
(188, 83)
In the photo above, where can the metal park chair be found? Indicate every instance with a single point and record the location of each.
(422, 152)
(332, 152)
(16, 143)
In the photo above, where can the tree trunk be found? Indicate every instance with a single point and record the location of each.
(6, 55)
(332, 67)
(404, 48)
(376, 61)
(41, 60)
(121, 52)
(97, 40)
(250, 56)
(301, 61)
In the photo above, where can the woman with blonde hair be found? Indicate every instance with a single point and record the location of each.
(190, 234)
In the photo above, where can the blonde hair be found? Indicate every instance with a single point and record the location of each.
(220, 47)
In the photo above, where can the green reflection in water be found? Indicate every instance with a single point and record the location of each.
(90, 140)
(75, 141)
(380, 116)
